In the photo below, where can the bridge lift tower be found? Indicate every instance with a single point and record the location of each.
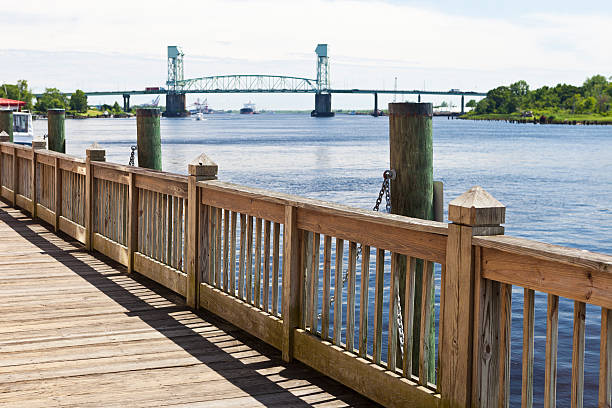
(175, 97)
(323, 96)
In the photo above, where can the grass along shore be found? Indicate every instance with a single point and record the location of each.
(544, 117)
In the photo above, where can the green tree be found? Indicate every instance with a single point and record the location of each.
(78, 101)
(19, 92)
(594, 86)
(52, 98)
(471, 103)
(117, 108)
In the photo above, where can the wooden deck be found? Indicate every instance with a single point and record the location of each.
(75, 330)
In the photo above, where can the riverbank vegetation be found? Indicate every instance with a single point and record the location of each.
(591, 102)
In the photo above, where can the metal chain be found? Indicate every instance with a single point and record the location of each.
(132, 154)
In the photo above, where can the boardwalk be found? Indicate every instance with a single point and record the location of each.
(75, 330)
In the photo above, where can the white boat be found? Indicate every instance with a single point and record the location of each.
(199, 116)
(23, 132)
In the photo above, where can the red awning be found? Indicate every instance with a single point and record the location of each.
(11, 102)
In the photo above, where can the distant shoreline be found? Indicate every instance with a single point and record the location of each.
(542, 119)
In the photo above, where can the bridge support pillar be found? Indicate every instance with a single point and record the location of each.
(462, 104)
(126, 102)
(175, 105)
(375, 113)
(322, 106)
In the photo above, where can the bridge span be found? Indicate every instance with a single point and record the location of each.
(177, 87)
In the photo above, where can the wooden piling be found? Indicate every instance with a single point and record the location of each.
(148, 138)
(6, 123)
(56, 130)
(411, 148)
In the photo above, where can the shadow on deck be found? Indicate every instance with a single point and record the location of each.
(77, 331)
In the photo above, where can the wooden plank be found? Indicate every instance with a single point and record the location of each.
(313, 297)
(24, 203)
(162, 183)
(266, 267)
(369, 379)
(218, 248)
(58, 193)
(325, 305)
(71, 228)
(409, 317)
(605, 359)
(505, 324)
(528, 332)
(578, 355)
(257, 282)
(68, 165)
(378, 305)
(171, 278)
(350, 297)
(576, 282)
(226, 234)
(363, 301)
(110, 248)
(425, 245)
(258, 208)
(338, 283)
(291, 283)
(275, 268)
(306, 272)
(233, 254)
(109, 174)
(249, 260)
(393, 298)
(242, 264)
(192, 243)
(247, 317)
(552, 341)
(7, 193)
(45, 214)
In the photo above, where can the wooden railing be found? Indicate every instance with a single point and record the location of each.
(321, 282)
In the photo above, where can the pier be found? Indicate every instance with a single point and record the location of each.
(161, 288)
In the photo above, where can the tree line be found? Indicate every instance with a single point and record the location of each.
(52, 98)
(593, 97)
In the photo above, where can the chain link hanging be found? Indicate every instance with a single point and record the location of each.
(132, 154)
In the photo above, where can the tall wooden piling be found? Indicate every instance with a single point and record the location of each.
(411, 148)
(56, 130)
(6, 122)
(148, 138)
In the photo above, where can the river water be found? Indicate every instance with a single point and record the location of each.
(555, 180)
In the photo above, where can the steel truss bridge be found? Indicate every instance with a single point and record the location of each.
(177, 86)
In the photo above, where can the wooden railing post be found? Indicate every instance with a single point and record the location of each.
(58, 192)
(15, 177)
(93, 153)
(291, 281)
(4, 137)
(463, 380)
(36, 144)
(201, 168)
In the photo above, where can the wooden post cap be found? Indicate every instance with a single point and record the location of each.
(39, 144)
(95, 152)
(411, 108)
(203, 168)
(477, 208)
(4, 137)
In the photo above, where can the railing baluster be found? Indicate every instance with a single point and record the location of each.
(378, 305)
(338, 292)
(249, 260)
(306, 277)
(232, 266)
(225, 249)
(314, 284)
(363, 301)
(257, 284)
(392, 336)
(528, 330)
(605, 359)
(243, 251)
(552, 340)
(505, 325)
(218, 248)
(409, 316)
(275, 268)
(266, 267)
(578, 355)
(327, 244)
(350, 297)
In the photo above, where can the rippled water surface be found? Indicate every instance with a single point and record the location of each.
(556, 182)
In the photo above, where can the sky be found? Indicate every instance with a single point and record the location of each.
(469, 45)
